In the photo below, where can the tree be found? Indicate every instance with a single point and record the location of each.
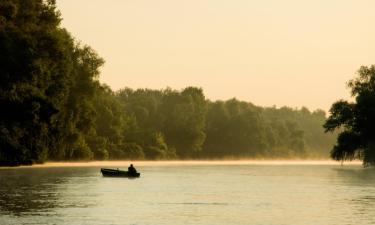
(34, 53)
(234, 128)
(106, 139)
(356, 120)
(183, 116)
(47, 86)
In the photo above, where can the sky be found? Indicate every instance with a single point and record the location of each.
(269, 52)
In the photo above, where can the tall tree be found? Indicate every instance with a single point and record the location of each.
(234, 128)
(33, 53)
(184, 115)
(356, 120)
(47, 86)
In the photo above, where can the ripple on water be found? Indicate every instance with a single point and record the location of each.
(300, 194)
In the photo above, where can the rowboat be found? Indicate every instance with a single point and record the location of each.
(118, 173)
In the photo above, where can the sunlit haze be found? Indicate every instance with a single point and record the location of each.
(269, 52)
(190, 163)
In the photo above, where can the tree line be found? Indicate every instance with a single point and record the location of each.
(53, 107)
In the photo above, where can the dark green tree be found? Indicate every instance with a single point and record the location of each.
(183, 115)
(33, 54)
(355, 120)
(47, 86)
(106, 139)
(76, 112)
(235, 129)
(144, 125)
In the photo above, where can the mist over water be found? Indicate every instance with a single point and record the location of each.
(242, 192)
(245, 161)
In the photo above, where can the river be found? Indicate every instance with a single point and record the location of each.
(190, 193)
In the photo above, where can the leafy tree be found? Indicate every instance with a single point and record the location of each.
(312, 139)
(234, 128)
(106, 139)
(183, 116)
(33, 53)
(76, 117)
(47, 86)
(356, 120)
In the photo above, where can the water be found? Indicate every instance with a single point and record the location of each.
(190, 194)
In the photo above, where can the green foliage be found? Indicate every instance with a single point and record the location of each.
(233, 129)
(163, 122)
(33, 53)
(47, 85)
(106, 138)
(240, 129)
(183, 116)
(132, 151)
(356, 120)
(299, 131)
(169, 124)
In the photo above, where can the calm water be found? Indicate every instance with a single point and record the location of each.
(190, 194)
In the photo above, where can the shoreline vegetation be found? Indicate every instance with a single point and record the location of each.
(126, 163)
(53, 107)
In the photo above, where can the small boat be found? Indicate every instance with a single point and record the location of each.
(118, 173)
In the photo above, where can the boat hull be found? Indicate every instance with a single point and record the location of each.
(117, 173)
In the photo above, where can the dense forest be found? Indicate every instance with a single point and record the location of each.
(53, 107)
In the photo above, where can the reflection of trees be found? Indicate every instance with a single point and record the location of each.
(28, 191)
(356, 190)
(366, 201)
(356, 176)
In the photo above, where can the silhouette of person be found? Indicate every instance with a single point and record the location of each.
(131, 169)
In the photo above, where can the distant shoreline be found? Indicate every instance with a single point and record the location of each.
(126, 163)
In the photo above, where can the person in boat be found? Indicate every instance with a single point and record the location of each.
(131, 169)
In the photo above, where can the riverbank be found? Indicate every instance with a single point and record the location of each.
(187, 162)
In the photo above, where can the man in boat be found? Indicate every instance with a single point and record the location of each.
(131, 169)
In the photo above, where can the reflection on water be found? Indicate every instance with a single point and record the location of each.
(190, 194)
(359, 195)
(27, 191)
(357, 175)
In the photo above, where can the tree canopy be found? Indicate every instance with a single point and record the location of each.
(355, 120)
(47, 84)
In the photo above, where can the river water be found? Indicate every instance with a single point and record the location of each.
(190, 193)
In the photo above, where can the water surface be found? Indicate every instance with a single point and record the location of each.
(192, 193)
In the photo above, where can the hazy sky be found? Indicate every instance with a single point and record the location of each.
(269, 52)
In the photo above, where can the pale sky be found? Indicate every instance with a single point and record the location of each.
(268, 52)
